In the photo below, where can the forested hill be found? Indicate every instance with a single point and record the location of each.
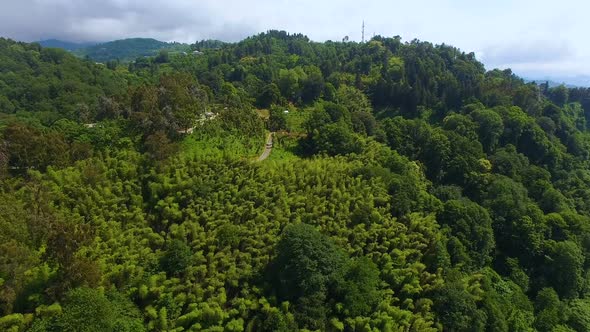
(408, 189)
(128, 49)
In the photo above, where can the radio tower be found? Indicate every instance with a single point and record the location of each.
(363, 33)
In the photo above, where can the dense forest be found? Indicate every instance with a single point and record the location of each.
(408, 189)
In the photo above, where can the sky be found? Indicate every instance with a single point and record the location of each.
(538, 39)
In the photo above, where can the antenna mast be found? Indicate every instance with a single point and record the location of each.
(363, 33)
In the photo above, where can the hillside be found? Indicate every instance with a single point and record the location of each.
(128, 49)
(408, 189)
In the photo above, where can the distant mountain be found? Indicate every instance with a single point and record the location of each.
(69, 46)
(551, 83)
(128, 49)
(570, 82)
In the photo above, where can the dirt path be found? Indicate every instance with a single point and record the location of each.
(267, 148)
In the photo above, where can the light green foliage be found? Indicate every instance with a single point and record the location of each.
(579, 315)
(353, 99)
(89, 310)
(14, 322)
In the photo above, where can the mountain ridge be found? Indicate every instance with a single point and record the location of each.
(145, 46)
(128, 49)
(66, 45)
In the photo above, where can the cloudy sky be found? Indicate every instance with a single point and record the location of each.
(536, 38)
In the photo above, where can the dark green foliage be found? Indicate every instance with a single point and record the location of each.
(277, 120)
(27, 147)
(335, 139)
(518, 222)
(456, 308)
(559, 95)
(162, 57)
(172, 106)
(490, 128)
(549, 310)
(471, 225)
(357, 288)
(158, 146)
(305, 265)
(565, 263)
(269, 96)
(311, 272)
(364, 123)
(176, 258)
(313, 85)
